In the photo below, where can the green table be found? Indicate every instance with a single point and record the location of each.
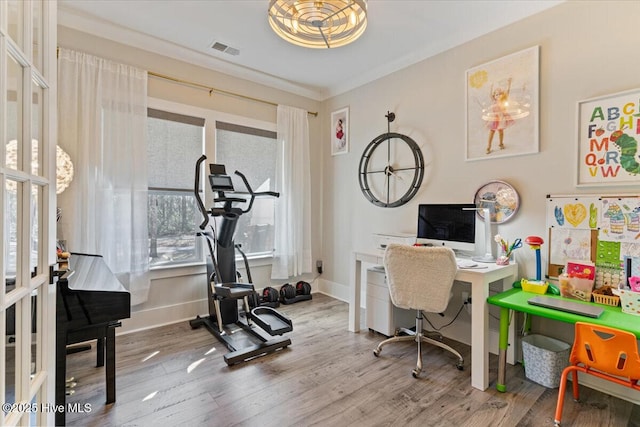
(516, 299)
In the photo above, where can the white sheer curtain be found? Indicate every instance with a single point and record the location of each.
(102, 124)
(292, 256)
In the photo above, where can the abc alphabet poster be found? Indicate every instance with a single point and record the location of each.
(608, 136)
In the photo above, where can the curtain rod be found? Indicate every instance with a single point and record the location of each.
(216, 90)
(209, 88)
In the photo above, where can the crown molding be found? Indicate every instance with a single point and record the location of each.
(100, 28)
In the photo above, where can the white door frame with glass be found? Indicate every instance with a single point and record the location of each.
(27, 208)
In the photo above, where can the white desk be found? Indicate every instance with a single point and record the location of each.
(479, 280)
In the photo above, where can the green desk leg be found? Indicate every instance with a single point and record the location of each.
(527, 323)
(502, 347)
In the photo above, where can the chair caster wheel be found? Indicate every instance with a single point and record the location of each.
(415, 373)
(376, 352)
(460, 365)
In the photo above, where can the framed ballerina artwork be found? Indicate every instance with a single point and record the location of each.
(340, 131)
(502, 107)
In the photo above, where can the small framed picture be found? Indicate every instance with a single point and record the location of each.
(340, 131)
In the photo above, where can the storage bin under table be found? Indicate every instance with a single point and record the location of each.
(382, 315)
(544, 359)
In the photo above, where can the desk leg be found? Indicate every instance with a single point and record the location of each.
(100, 352)
(480, 326)
(503, 346)
(479, 334)
(354, 294)
(507, 284)
(110, 369)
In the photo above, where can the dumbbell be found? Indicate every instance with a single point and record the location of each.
(287, 293)
(303, 288)
(270, 295)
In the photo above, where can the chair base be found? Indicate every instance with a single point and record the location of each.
(419, 337)
(429, 334)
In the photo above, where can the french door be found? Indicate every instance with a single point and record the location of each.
(27, 206)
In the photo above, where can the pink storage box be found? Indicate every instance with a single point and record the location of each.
(634, 283)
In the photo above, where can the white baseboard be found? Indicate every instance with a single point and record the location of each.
(161, 316)
(333, 289)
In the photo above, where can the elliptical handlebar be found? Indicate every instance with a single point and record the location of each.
(252, 193)
(223, 198)
(196, 192)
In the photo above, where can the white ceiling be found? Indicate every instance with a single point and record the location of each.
(399, 33)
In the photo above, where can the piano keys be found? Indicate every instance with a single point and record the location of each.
(90, 304)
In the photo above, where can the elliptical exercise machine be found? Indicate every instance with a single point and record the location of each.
(225, 320)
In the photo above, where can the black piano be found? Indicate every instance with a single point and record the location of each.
(90, 304)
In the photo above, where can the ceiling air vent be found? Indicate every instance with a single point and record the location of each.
(226, 49)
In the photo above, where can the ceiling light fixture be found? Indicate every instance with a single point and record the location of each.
(318, 24)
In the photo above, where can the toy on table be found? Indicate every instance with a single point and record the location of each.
(538, 285)
(534, 243)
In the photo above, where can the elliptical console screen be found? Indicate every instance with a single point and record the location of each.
(220, 182)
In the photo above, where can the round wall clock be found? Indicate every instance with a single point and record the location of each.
(391, 169)
(500, 198)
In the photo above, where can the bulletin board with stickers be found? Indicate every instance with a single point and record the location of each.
(603, 231)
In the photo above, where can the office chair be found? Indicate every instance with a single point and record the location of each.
(419, 278)
(607, 353)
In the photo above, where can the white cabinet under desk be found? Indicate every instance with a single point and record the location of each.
(382, 315)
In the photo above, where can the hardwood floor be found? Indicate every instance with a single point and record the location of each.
(175, 375)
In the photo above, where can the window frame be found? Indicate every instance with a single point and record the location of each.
(210, 119)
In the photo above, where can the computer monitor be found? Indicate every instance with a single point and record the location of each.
(449, 225)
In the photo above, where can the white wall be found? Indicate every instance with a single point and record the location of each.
(587, 49)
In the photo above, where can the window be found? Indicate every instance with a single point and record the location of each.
(251, 151)
(174, 144)
(178, 134)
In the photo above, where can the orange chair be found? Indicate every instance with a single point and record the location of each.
(603, 352)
